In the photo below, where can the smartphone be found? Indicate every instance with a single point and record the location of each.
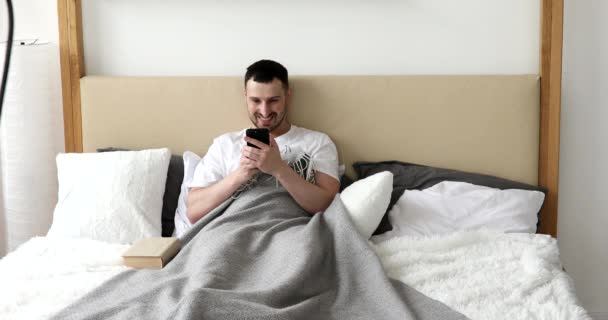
(260, 134)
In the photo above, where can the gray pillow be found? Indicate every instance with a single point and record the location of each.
(409, 176)
(345, 181)
(175, 176)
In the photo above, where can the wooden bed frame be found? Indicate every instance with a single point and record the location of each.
(73, 69)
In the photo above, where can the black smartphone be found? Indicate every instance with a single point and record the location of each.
(260, 134)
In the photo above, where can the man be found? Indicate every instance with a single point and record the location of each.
(303, 161)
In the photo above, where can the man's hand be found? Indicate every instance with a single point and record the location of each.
(202, 200)
(312, 197)
(267, 158)
(245, 170)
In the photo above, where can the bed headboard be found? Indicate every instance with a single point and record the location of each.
(485, 124)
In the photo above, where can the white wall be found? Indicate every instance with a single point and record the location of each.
(583, 201)
(33, 19)
(193, 37)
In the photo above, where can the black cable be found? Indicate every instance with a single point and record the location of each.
(7, 57)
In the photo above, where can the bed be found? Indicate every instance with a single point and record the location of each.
(493, 129)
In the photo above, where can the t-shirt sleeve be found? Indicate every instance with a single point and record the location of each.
(325, 159)
(211, 167)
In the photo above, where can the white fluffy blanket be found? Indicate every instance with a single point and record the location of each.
(482, 274)
(486, 275)
(44, 275)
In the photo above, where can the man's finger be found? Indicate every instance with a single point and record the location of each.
(251, 150)
(256, 143)
(272, 141)
(249, 163)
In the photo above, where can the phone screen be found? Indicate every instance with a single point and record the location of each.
(260, 134)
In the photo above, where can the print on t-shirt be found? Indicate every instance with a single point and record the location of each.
(303, 167)
(299, 161)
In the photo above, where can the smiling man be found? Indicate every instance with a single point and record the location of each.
(303, 161)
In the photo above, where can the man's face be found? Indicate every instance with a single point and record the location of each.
(266, 103)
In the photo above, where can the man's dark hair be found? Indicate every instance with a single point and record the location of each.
(265, 71)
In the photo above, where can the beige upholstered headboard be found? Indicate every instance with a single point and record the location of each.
(485, 124)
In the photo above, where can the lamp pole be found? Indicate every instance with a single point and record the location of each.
(7, 56)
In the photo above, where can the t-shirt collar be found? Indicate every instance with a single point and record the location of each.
(285, 136)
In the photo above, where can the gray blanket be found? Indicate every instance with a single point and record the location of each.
(261, 256)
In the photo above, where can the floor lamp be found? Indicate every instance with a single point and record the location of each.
(7, 57)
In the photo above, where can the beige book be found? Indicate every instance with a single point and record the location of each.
(151, 253)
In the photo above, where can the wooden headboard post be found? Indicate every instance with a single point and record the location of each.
(73, 69)
(550, 105)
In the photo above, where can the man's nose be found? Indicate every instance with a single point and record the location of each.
(264, 109)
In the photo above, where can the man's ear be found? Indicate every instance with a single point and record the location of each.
(288, 96)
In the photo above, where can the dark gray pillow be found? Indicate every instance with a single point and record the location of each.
(409, 176)
(345, 181)
(175, 176)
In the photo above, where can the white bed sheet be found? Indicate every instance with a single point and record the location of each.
(485, 274)
(44, 275)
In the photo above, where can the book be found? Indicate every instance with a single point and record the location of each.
(151, 253)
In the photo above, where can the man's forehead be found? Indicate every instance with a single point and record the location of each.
(265, 90)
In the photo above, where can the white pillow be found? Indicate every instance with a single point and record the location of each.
(341, 170)
(115, 197)
(451, 206)
(366, 201)
(182, 223)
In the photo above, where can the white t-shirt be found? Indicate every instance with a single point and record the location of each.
(305, 150)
